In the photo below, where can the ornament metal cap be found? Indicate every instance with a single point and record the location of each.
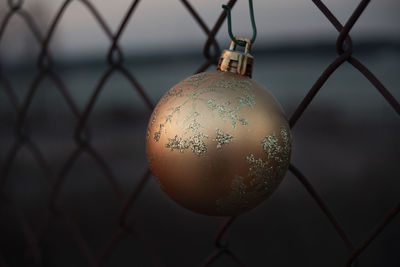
(236, 61)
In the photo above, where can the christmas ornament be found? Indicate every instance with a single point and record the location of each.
(218, 143)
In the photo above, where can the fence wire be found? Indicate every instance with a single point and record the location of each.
(33, 254)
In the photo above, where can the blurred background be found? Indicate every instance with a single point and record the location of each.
(346, 143)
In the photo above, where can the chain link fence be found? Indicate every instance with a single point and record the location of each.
(36, 236)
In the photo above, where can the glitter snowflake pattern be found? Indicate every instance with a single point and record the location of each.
(263, 175)
(222, 138)
(193, 136)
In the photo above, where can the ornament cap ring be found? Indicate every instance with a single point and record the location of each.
(247, 47)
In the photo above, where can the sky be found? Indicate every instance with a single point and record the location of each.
(165, 25)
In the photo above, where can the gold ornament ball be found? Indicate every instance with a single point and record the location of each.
(218, 143)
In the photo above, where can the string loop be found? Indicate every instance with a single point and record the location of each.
(253, 24)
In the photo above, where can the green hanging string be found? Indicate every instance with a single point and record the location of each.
(253, 24)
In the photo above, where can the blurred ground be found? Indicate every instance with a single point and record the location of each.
(346, 143)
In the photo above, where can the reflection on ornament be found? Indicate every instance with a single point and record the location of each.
(218, 143)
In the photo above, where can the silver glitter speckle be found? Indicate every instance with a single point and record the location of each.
(222, 138)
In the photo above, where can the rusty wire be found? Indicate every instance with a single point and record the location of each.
(55, 181)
